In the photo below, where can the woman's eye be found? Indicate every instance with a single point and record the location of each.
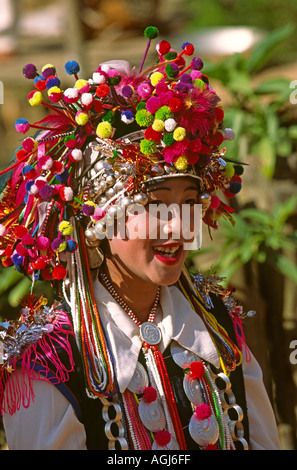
(191, 202)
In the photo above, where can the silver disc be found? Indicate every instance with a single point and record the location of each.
(150, 333)
(139, 380)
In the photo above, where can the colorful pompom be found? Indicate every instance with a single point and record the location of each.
(39, 82)
(71, 95)
(179, 133)
(59, 272)
(52, 81)
(29, 71)
(163, 437)
(76, 155)
(55, 94)
(102, 90)
(88, 208)
(65, 228)
(181, 163)
(149, 394)
(196, 369)
(42, 243)
(151, 32)
(203, 411)
(163, 47)
(144, 118)
(158, 125)
(66, 193)
(127, 117)
(144, 91)
(83, 86)
(35, 98)
(104, 130)
(81, 118)
(197, 63)
(29, 144)
(156, 77)
(188, 48)
(22, 125)
(148, 147)
(72, 67)
(48, 70)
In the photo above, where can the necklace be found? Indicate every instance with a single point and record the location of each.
(149, 332)
(150, 335)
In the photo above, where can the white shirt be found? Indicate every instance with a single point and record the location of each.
(51, 419)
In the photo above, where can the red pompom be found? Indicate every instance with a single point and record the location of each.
(203, 411)
(102, 91)
(189, 49)
(175, 104)
(47, 274)
(163, 47)
(20, 231)
(59, 272)
(57, 167)
(149, 394)
(21, 154)
(196, 369)
(151, 134)
(27, 240)
(39, 264)
(163, 438)
(210, 447)
(215, 202)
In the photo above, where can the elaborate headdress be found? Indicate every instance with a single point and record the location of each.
(101, 143)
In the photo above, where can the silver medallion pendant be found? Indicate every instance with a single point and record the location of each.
(150, 333)
(139, 380)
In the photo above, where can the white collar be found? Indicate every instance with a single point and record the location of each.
(175, 318)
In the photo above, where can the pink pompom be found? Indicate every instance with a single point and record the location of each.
(203, 411)
(42, 243)
(144, 91)
(149, 394)
(27, 240)
(98, 214)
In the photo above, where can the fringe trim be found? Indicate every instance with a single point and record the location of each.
(41, 361)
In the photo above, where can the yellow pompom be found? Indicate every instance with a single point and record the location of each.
(80, 83)
(228, 170)
(81, 118)
(61, 247)
(65, 228)
(35, 98)
(181, 163)
(104, 130)
(158, 125)
(156, 77)
(179, 133)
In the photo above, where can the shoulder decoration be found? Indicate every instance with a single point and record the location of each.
(198, 289)
(30, 349)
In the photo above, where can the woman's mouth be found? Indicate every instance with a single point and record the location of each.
(168, 254)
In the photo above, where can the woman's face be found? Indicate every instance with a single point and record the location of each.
(157, 238)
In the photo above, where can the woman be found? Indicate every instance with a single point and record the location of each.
(135, 353)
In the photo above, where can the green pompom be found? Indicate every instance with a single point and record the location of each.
(168, 139)
(148, 147)
(140, 105)
(163, 113)
(151, 32)
(171, 55)
(144, 118)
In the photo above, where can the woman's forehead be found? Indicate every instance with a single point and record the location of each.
(174, 185)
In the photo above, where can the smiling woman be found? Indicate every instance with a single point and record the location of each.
(135, 353)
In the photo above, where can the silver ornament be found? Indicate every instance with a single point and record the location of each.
(204, 431)
(139, 380)
(152, 415)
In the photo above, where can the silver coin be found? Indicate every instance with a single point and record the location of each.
(152, 415)
(182, 357)
(150, 333)
(205, 431)
(139, 380)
